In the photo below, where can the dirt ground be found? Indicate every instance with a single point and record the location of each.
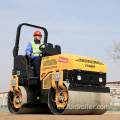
(107, 116)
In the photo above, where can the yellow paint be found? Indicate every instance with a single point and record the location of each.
(53, 82)
(38, 97)
(15, 104)
(61, 81)
(69, 62)
(72, 64)
(44, 78)
(14, 77)
(61, 104)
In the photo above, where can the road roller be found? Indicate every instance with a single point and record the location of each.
(67, 84)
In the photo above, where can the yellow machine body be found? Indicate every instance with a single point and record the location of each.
(65, 83)
(70, 62)
(58, 63)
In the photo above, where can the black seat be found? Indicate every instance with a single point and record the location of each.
(49, 50)
(57, 49)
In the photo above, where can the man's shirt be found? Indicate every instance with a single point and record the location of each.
(29, 49)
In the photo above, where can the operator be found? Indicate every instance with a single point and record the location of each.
(33, 51)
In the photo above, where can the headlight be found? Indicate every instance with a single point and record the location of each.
(79, 77)
(100, 80)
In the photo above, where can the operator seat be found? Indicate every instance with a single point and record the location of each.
(49, 50)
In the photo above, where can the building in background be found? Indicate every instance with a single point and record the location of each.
(114, 93)
(3, 99)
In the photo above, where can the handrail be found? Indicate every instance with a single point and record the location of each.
(16, 48)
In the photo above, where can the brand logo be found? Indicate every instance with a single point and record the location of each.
(92, 66)
(61, 59)
(89, 61)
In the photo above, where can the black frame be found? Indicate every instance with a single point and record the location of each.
(16, 48)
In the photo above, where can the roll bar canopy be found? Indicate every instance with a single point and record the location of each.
(16, 48)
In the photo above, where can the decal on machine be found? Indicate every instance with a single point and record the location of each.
(92, 66)
(89, 61)
(61, 59)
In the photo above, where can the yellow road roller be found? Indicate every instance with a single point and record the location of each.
(67, 84)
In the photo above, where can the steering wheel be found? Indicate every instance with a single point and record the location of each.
(41, 48)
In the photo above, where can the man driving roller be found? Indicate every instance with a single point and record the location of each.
(33, 51)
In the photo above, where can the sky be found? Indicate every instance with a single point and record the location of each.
(81, 27)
